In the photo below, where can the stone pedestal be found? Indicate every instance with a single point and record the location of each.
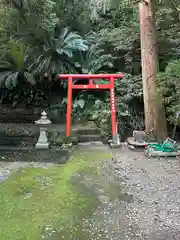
(138, 140)
(43, 140)
(115, 143)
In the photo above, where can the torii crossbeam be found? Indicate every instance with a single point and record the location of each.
(91, 85)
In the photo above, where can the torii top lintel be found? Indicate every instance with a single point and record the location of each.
(91, 77)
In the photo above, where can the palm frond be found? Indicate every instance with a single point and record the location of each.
(13, 66)
(95, 59)
(68, 42)
(29, 78)
(58, 51)
(18, 55)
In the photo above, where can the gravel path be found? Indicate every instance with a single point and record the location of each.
(155, 184)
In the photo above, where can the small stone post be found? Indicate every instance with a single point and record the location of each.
(139, 136)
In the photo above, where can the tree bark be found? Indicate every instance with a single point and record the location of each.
(155, 120)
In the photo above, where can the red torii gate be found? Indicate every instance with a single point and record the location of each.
(91, 85)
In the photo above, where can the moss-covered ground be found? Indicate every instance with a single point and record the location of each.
(32, 199)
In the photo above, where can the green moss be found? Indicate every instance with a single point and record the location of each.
(32, 198)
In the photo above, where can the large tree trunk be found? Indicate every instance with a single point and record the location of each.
(155, 120)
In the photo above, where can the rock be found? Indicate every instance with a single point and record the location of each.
(97, 190)
(28, 195)
(160, 235)
(62, 160)
(2, 178)
(103, 199)
(75, 178)
(116, 167)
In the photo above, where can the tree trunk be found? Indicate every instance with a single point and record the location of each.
(155, 120)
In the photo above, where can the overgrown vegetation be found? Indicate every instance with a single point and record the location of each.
(40, 39)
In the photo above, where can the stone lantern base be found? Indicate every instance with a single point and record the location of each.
(43, 140)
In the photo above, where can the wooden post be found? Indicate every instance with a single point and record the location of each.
(155, 120)
(113, 111)
(69, 108)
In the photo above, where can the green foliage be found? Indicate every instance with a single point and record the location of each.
(56, 54)
(130, 102)
(31, 20)
(40, 48)
(16, 81)
(74, 14)
(28, 94)
(81, 36)
(95, 59)
(119, 33)
(169, 86)
(13, 66)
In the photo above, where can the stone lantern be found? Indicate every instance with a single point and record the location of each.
(42, 123)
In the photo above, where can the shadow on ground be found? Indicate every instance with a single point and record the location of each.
(46, 156)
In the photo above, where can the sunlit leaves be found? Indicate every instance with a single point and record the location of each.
(14, 67)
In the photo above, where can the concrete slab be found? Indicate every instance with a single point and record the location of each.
(131, 141)
(115, 145)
